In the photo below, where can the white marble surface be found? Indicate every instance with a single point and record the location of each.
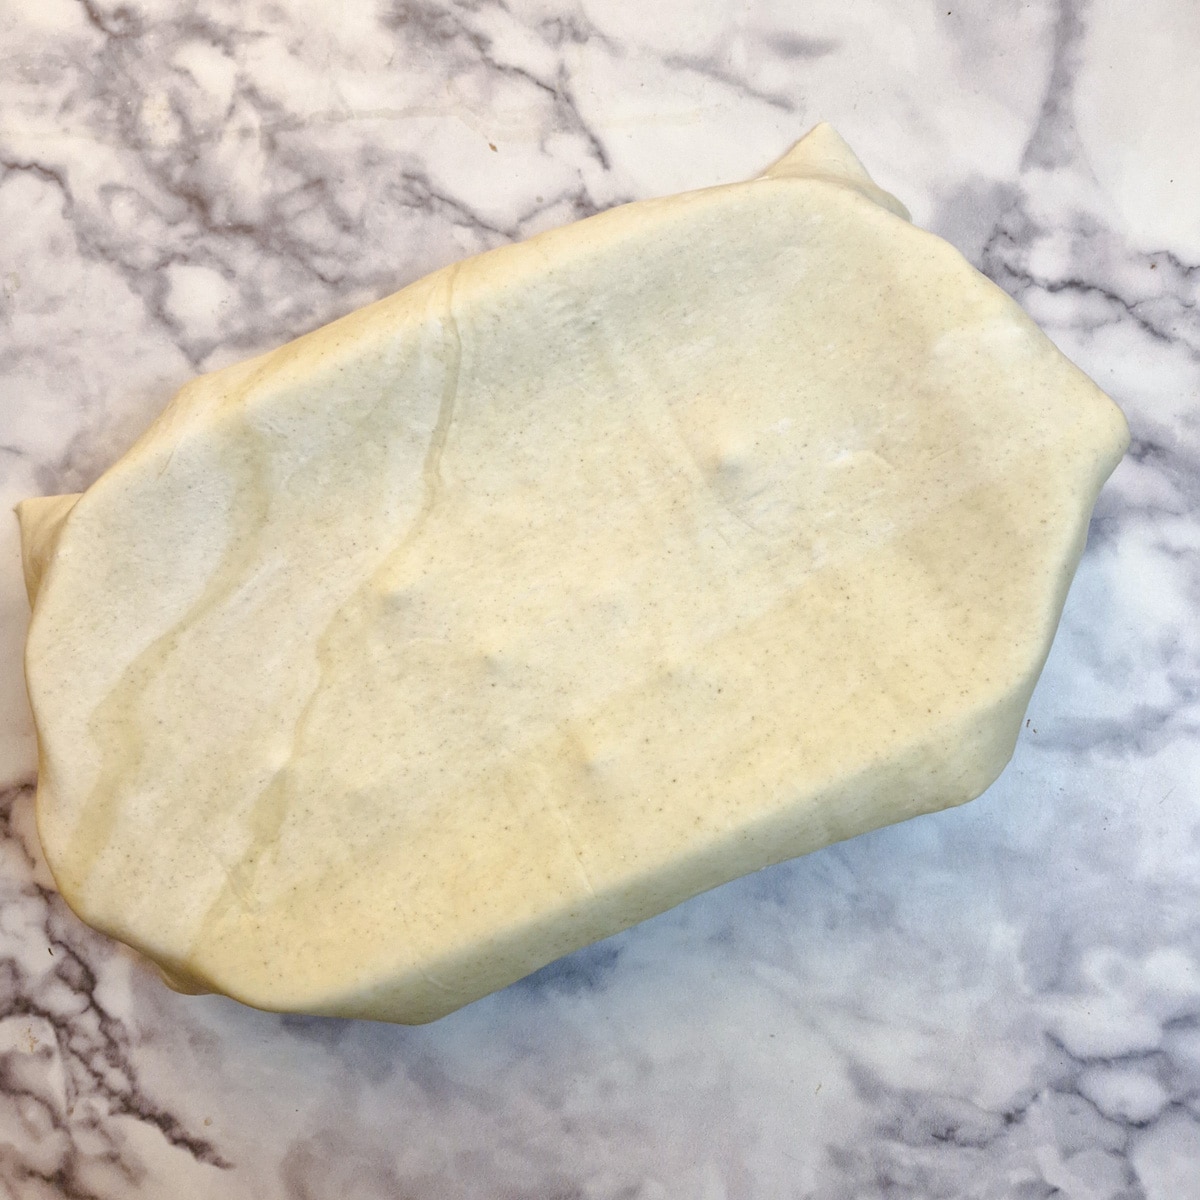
(999, 1001)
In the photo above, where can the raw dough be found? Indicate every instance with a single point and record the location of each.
(568, 582)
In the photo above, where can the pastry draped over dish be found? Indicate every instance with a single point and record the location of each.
(568, 582)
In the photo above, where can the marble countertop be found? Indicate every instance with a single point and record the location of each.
(999, 1001)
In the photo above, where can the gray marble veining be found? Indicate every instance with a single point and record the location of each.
(998, 1001)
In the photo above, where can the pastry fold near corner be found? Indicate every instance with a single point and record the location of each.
(568, 582)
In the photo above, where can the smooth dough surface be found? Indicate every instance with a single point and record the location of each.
(568, 582)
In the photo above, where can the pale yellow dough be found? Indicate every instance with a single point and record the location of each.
(566, 583)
